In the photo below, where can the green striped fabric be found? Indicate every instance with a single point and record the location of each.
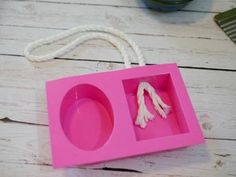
(227, 22)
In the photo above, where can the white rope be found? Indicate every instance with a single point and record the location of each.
(96, 33)
(144, 115)
(110, 35)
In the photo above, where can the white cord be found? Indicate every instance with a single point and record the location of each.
(96, 33)
(110, 35)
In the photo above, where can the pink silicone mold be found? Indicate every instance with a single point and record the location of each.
(91, 117)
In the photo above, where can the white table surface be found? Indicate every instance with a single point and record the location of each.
(206, 58)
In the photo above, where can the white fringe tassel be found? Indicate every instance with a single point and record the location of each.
(143, 115)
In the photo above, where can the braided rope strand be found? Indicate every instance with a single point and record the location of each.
(69, 47)
(89, 28)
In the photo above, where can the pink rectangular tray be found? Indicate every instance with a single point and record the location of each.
(91, 117)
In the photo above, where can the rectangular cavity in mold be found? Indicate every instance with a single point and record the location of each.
(175, 122)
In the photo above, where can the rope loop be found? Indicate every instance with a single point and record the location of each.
(94, 32)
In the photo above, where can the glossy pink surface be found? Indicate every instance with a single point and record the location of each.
(91, 117)
(87, 119)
